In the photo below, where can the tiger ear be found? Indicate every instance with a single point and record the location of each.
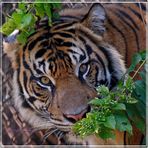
(95, 19)
(11, 48)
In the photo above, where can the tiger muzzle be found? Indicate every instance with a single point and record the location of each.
(72, 97)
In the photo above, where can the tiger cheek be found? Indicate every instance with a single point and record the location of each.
(42, 94)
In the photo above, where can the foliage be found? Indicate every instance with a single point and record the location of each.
(120, 108)
(27, 15)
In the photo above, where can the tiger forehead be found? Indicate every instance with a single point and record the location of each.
(51, 37)
(50, 44)
(47, 52)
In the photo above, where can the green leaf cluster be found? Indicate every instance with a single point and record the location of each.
(27, 15)
(117, 109)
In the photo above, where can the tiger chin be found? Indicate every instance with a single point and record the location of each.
(57, 70)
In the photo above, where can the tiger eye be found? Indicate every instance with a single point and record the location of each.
(45, 80)
(83, 68)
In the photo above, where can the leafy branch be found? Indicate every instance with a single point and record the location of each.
(117, 109)
(27, 16)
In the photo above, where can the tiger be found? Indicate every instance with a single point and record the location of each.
(57, 71)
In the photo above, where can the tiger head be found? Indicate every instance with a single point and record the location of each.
(58, 69)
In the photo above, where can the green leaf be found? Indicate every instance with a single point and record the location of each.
(97, 102)
(22, 6)
(143, 76)
(105, 134)
(110, 122)
(31, 31)
(22, 38)
(47, 8)
(56, 15)
(25, 21)
(103, 90)
(129, 83)
(122, 123)
(136, 117)
(17, 16)
(39, 9)
(8, 27)
(56, 5)
(143, 54)
(32, 23)
(135, 60)
(119, 106)
(131, 100)
(140, 90)
(81, 126)
(141, 109)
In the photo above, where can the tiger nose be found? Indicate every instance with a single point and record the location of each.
(75, 117)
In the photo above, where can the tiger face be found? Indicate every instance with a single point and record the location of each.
(57, 71)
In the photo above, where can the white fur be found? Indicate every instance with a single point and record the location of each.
(29, 115)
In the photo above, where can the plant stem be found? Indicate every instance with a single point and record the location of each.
(139, 68)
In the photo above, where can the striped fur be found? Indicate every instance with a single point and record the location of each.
(58, 69)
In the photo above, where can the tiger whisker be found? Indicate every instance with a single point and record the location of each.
(45, 116)
(43, 126)
(33, 130)
(48, 133)
(59, 135)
